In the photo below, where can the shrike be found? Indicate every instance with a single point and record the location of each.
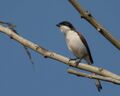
(77, 45)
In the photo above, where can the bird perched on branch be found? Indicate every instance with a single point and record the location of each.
(77, 45)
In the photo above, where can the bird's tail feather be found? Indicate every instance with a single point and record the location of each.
(98, 85)
(97, 81)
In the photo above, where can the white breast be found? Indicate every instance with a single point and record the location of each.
(75, 44)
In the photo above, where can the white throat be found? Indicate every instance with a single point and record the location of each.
(65, 29)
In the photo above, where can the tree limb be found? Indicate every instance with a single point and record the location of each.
(55, 56)
(87, 16)
(91, 76)
(12, 27)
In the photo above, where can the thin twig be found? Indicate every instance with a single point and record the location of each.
(12, 27)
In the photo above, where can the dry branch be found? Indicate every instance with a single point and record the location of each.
(55, 56)
(88, 16)
(93, 76)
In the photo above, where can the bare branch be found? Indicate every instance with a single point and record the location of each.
(90, 76)
(55, 56)
(87, 16)
(12, 27)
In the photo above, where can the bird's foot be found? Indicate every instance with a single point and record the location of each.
(72, 59)
(77, 61)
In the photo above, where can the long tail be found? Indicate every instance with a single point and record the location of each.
(98, 85)
(97, 81)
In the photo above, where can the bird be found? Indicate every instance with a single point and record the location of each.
(78, 45)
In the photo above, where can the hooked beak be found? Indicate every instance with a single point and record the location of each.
(57, 25)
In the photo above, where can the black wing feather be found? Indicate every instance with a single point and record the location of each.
(86, 44)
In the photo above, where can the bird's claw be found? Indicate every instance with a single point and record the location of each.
(77, 61)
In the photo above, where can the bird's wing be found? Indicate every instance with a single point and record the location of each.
(86, 45)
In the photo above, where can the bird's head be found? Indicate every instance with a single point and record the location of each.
(65, 26)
